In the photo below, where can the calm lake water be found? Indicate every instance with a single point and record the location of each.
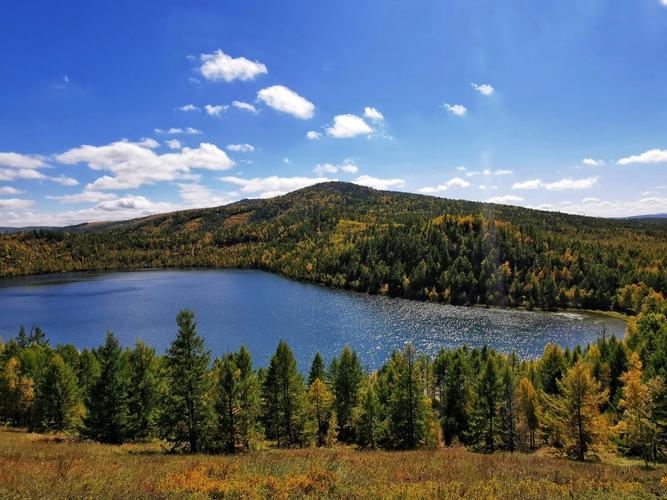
(257, 309)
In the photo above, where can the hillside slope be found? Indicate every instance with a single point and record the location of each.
(401, 244)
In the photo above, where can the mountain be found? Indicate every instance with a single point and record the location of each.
(647, 217)
(401, 244)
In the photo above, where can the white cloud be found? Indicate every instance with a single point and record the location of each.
(461, 168)
(483, 187)
(375, 183)
(590, 200)
(313, 135)
(220, 66)
(244, 106)
(174, 144)
(327, 168)
(283, 99)
(348, 125)
(484, 89)
(602, 208)
(590, 162)
(664, 2)
(198, 195)
(15, 203)
(11, 174)
(17, 160)
(63, 180)
(373, 114)
(177, 131)
(215, 110)
(84, 197)
(530, 184)
(7, 190)
(648, 157)
(488, 171)
(561, 185)
(188, 108)
(503, 172)
(455, 182)
(455, 109)
(507, 199)
(241, 148)
(564, 184)
(272, 186)
(133, 165)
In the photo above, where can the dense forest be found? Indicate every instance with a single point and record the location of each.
(609, 396)
(400, 244)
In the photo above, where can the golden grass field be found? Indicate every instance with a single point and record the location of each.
(37, 466)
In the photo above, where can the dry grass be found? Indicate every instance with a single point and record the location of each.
(34, 466)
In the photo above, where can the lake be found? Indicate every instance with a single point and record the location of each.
(255, 308)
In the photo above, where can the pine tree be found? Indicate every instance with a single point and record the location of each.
(317, 369)
(38, 337)
(228, 402)
(107, 418)
(320, 402)
(509, 409)
(57, 397)
(368, 416)
(488, 402)
(552, 367)
(408, 411)
(185, 416)
(143, 391)
(455, 407)
(576, 413)
(249, 396)
(528, 411)
(346, 382)
(283, 399)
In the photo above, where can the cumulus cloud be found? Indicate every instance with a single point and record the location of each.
(15, 203)
(484, 88)
(215, 109)
(285, 100)
(198, 195)
(461, 168)
(455, 182)
(16, 160)
(133, 165)
(188, 107)
(507, 199)
(561, 185)
(313, 135)
(456, 109)
(651, 156)
(376, 183)
(9, 190)
(63, 180)
(12, 174)
(220, 66)
(173, 144)
(483, 187)
(487, 172)
(265, 187)
(348, 125)
(590, 162)
(327, 168)
(603, 208)
(177, 131)
(241, 148)
(373, 114)
(244, 106)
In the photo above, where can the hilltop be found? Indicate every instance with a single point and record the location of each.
(354, 237)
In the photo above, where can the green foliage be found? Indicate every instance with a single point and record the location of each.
(142, 391)
(58, 403)
(346, 380)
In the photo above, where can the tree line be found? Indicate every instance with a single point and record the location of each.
(611, 395)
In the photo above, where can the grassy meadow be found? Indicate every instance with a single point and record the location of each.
(49, 466)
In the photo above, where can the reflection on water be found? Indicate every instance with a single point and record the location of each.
(258, 309)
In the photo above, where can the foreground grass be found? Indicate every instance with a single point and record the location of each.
(35, 466)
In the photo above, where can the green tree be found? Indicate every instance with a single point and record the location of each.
(488, 402)
(57, 397)
(528, 412)
(283, 399)
(346, 382)
(317, 369)
(142, 391)
(107, 418)
(369, 429)
(320, 401)
(185, 416)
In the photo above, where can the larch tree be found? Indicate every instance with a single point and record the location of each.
(317, 369)
(368, 422)
(58, 400)
(488, 401)
(320, 400)
(185, 417)
(143, 391)
(346, 382)
(528, 412)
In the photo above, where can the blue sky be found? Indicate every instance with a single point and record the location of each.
(120, 109)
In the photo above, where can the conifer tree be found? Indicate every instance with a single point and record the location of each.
(283, 399)
(488, 402)
(552, 367)
(576, 412)
(509, 409)
(228, 402)
(185, 416)
(346, 382)
(143, 391)
(455, 408)
(528, 412)
(320, 402)
(317, 369)
(249, 396)
(57, 397)
(16, 394)
(107, 418)
(368, 416)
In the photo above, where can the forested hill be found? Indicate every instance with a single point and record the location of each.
(400, 244)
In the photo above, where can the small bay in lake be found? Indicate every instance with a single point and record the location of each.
(255, 308)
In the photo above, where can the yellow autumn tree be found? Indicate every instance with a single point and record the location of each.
(528, 412)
